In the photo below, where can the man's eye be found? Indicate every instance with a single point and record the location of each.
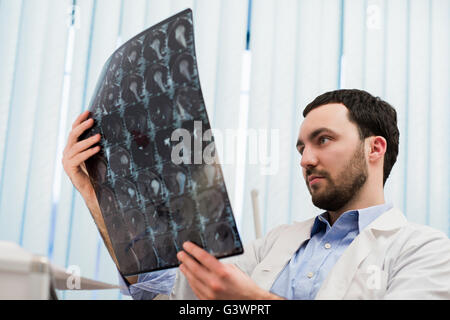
(323, 140)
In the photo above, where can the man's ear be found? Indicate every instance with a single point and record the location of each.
(377, 148)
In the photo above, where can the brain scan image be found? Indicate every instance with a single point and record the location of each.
(116, 226)
(183, 211)
(126, 193)
(125, 254)
(156, 79)
(155, 46)
(219, 237)
(166, 250)
(101, 171)
(111, 95)
(132, 87)
(164, 143)
(113, 69)
(151, 184)
(132, 55)
(206, 176)
(145, 251)
(188, 103)
(158, 217)
(176, 179)
(143, 151)
(180, 34)
(112, 128)
(98, 167)
(148, 88)
(135, 221)
(161, 111)
(192, 235)
(211, 204)
(136, 121)
(107, 200)
(182, 68)
(120, 161)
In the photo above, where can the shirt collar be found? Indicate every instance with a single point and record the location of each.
(367, 215)
(364, 217)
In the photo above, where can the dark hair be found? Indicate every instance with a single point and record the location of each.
(373, 117)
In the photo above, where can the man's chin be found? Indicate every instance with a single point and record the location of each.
(317, 188)
(317, 197)
(322, 203)
(324, 200)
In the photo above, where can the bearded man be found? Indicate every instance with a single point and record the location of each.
(360, 248)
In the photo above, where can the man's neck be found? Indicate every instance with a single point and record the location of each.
(365, 198)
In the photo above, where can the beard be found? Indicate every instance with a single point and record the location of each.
(341, 190)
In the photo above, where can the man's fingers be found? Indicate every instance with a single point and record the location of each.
(199, 272)
(82, 146)
(82, 117)
(83, 156)
(202, 256)
(78, 131)
(200, 289)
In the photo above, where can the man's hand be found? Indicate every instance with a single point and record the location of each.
(76, 152)
(213, 280)
(74, 155)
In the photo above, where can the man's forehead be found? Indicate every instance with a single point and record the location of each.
(333, 116)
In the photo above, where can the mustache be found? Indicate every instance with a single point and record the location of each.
(314, 172)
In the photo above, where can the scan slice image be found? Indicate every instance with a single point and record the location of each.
(151, 205)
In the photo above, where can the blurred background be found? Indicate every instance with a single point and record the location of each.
(260, 63)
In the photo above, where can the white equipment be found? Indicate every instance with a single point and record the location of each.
(256, 215)
(25, 276)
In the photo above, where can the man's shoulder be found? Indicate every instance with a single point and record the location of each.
(419, 234)
(394, 225)
(414, 237)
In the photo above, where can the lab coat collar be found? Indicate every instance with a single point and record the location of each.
(367, 215)
(390, 220)
(339, 279)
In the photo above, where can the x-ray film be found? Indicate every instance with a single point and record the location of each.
(151, 204)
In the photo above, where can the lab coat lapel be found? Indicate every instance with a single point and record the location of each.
(282, 252)
(340, 277)
(338, 280)
(293, 239)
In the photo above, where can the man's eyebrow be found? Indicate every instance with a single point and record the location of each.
(314, 134)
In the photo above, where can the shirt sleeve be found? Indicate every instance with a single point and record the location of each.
(149, 285)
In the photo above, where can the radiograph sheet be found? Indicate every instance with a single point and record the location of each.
(148, 88)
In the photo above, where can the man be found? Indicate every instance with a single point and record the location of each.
(359, 248)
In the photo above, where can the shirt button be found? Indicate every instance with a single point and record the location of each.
(310, 275)
(327, 246)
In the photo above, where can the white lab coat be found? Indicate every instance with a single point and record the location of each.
(390, 259)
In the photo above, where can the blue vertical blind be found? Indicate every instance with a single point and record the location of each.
(52, 51)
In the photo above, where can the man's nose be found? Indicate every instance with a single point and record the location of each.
(309, 159)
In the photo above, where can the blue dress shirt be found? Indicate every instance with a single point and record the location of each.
(302, 277)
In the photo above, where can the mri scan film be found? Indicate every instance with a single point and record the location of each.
(149, 88)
